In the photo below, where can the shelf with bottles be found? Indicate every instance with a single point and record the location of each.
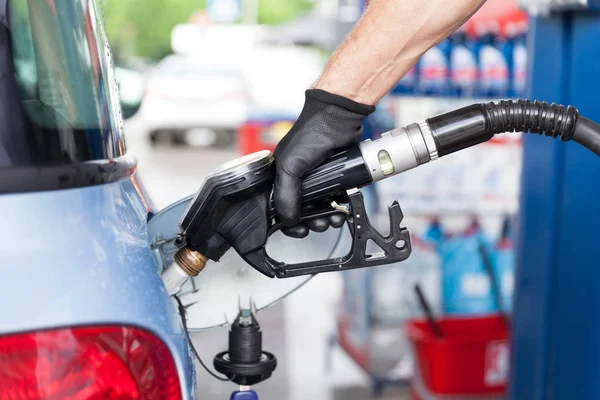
(485, 58)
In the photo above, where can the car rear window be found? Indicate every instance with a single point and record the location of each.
(58, 98)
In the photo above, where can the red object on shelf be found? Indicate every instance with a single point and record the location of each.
(254, 136)
(496, 14)
(248, 139)
(472, 358)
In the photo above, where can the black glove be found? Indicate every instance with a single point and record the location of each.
(328, 122)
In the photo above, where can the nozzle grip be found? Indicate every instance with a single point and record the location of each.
(330, 180)
(395, 246)
(344, 170)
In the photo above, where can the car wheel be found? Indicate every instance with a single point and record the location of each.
(200, 137)
(153, 138)
(178, 138)
(224, 138)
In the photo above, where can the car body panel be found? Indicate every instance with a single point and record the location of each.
(81, 257)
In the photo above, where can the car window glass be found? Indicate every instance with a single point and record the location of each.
(58, 85)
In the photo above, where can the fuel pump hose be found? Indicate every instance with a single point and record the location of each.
(478, 123)
(587, 134)
(405, 148)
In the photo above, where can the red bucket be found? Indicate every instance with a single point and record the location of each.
(471, 359)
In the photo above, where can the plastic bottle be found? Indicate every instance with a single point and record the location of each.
(463, 65)
(505, 264)
(507, 49)
(433, 70)
(493, 66)
(466, 287)
(516, 34)
(408, 83)
(433, 234)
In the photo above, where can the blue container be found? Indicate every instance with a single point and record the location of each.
(466, 287)
(504, 267)
(463, 66)
(519, 65)
(434, 235)
(507, 48)
(433, 70)
(408, 83)
(493, 66)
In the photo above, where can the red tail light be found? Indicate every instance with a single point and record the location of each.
(87, 363)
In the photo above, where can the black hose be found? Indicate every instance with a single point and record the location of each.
(552, 120)
(587, 134)
(478, 123)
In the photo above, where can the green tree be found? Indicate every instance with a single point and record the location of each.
(277, 11)
(143, 27)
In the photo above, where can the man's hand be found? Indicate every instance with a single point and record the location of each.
(328, 122)
(386, 42)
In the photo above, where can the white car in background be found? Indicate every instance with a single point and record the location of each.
(189, 101)
(131, 85)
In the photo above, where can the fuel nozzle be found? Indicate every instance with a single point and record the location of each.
(245, 362)
(233, 208)
(186, 263)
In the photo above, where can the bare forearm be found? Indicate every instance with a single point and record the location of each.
(387, 42)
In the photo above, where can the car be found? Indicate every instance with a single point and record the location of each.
(189, 101)
(277, 76)
(131, 85)
(84, 311)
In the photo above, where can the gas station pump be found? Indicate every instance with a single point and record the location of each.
(555, 335)
(233, 209)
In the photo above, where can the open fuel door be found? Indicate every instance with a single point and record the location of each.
(216, 295)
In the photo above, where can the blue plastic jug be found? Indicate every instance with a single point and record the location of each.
(466, 287)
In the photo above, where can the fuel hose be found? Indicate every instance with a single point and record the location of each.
(478, 123)
(406, 148)
(587, 134)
